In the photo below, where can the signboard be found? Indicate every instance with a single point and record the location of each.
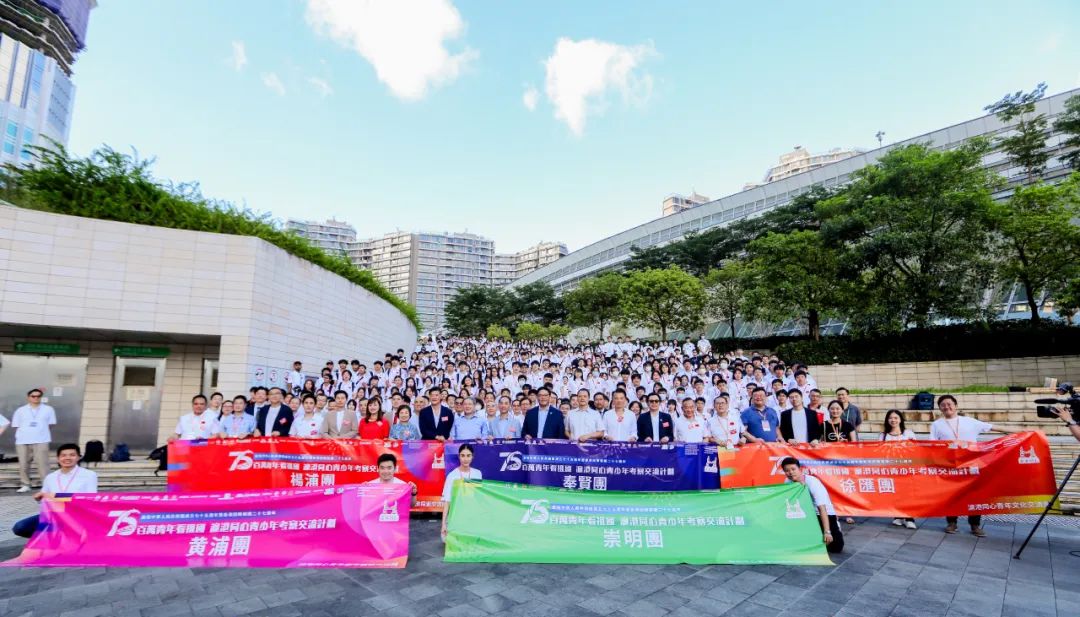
(139, 351)
(47, 348)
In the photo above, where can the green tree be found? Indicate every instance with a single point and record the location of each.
(1067, 300)
(596, 301)
(795, 276)
(556, 332)
(914, 231)
(529, 331)
(1068, 123)
(472, 309)
(1040, 241)
(538, 303)
(726, 293)
(664, 300)
(496, 332)
(1026, 145)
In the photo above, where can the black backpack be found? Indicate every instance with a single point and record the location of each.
(161, 455)
(95, 452)
(120, 454)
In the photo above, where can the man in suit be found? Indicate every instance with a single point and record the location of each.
(436, 419)
(799, 424)
(544, 421)
(273, 419)
(655, 426)
(341, 423)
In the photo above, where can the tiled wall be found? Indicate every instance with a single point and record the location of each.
(995, 372)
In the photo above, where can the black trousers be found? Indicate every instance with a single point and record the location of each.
(974, 520)
(837, 544)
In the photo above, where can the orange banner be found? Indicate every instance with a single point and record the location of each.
(1009, 475)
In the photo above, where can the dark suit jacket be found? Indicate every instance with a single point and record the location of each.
(427, 422)
(282, 428)
(813, 427)
(554, 426)
(644, 427)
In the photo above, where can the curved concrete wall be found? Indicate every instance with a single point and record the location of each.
(268, 307)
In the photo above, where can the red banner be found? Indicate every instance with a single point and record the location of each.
(1009, 475)
(275, 462)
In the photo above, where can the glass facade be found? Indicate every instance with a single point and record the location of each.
(35, 100)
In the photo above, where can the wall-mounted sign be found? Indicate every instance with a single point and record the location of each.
(139, 351)
(46, 348)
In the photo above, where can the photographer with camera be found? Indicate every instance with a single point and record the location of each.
(1066, 413)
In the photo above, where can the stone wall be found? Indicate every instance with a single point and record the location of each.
(951, 374)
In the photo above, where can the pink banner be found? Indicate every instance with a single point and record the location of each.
(356, 526)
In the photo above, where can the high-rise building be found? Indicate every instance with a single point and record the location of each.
(508, 267)
(427, 269)
(39, 42)
(799, 160)
(675, 203)
(331, 236)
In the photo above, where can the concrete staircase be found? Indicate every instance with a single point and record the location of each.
(136, 475)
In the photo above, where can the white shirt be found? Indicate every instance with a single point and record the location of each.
(798, 425)
(818, 494)
(296, 381)
(691, 431)
(307, 427)
(271, 416)
(32, 425)
(583, 421)
(191, 426)
(626, 430)
(726, 429)
(907, 434)
(960, 428)
(3, 421)
(448, 485)
(79, 480)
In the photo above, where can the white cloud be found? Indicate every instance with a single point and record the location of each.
(272, 81)
(404, 40)
(321, 86)
(238, 60)
(531, 97)
(581, 73)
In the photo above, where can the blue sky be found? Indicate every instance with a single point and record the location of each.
(416, 117)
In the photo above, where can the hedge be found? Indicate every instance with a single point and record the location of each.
(1005, 339)
(119, 187)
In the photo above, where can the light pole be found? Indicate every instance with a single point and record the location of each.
(879, 135)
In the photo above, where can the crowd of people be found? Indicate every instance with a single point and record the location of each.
(473, 389)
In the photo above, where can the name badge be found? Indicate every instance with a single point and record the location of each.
(765, 425)
(33, 425)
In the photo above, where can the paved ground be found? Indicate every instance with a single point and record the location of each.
(885, 571)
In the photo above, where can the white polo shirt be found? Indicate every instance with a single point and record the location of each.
(202, 426)
(80, 480)
(960, 428)
(726, 429)
(691, 431)
(308, 428)
(818, 494)
(32, 425)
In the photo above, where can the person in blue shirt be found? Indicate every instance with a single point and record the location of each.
(761, 421)
(470, 425)
(505, 425)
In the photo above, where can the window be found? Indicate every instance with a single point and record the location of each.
(12, 129)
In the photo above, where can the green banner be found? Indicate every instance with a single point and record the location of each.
(499, 522)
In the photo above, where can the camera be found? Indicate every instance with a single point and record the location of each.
(1045, 406)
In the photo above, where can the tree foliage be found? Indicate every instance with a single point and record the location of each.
(914, 228)
(498, 333)
(114, 186)
(663, 300)
(538, 303)
(796, 276)
(597, 301)
(1068, 123)
(727, 293)
(1025, 145)
(472, 309)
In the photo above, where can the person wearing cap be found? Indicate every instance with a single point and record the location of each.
(1065, 413)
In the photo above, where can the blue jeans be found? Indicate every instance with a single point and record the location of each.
(26, 527)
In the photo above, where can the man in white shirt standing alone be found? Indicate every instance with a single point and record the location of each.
(70, 478)
(32, 436)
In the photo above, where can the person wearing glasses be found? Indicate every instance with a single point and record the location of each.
(32, 436)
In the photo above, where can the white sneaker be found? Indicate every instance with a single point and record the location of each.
(899, 522)
(23, 489)
(910, 525)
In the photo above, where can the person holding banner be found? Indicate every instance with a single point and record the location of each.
(830, 527)
(655, 426)
(798, 424)
(403, 428)
(307, 424)
(273, 419)
(198, 424)
(689, 427)
(836, 429)
(543, 421)
(387, 466)
(620, 423)
(505, 425)
(70, 478)
(372, 426)
(237, 424)
(436, 419)
(960, 430)
(725, 428)
(582, 422)
(761, 421)
(464, 471)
